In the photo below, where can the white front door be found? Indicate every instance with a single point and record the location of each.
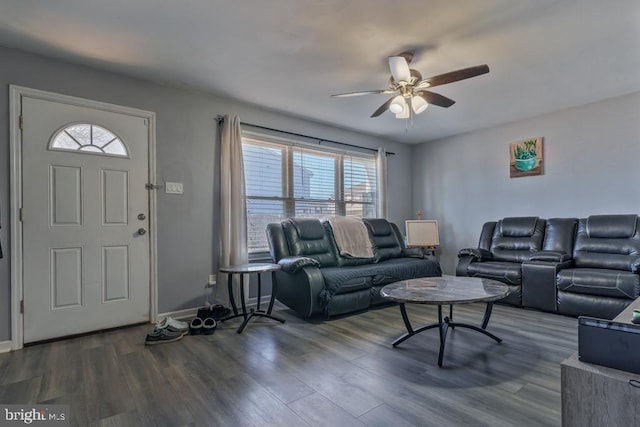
(86, 252)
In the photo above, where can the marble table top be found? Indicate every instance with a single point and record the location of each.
(250, 268)
(445, 290)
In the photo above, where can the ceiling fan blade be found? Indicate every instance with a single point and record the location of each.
(364, 92)
(436, 99)
(384, 107)
(453, 76)
(399, 68)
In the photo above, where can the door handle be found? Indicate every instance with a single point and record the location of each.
(142, 231)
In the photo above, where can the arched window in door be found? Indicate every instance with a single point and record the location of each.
(88, 138)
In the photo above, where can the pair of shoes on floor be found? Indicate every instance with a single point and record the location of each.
(167, 330)
(160, 336)
(216, 312)
(173, 325)
(206, 326)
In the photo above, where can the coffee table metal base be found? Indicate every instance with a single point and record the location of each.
(443, 326)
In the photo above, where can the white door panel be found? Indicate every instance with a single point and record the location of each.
(85, 265)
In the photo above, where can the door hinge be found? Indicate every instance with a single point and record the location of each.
(21, 306)
(21, 215)
(150, 186)
(21, 122)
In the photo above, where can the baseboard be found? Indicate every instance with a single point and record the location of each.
(179, 314)
(192, 312)
(5, 346)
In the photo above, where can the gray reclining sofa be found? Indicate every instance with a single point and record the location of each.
(316, 279)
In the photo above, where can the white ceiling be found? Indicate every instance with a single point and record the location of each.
(290, 55)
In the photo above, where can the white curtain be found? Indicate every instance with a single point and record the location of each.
(381, 184)
(233, 212)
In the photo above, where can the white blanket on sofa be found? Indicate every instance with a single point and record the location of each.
(351, 237)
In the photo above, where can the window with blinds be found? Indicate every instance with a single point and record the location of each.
(286, 180)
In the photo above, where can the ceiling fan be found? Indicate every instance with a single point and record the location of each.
(410, 87)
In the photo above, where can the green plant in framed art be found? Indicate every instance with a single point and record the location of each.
(526, 157)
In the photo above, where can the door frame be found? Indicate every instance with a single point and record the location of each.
(15, 179)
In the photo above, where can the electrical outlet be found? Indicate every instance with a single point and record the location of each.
(212, 279)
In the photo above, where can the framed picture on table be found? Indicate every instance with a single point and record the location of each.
(422, 233)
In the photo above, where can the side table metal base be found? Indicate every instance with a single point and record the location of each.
(443, 326)
(252, 313)
(249, 314)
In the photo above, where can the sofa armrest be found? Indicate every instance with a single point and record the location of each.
(477, 253)
(550, 256)
(292, 264)
(300, 291)
(539, 283)
(417, 252)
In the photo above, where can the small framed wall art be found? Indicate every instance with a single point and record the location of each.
(525, 157)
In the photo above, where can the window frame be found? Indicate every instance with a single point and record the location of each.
(289, 147)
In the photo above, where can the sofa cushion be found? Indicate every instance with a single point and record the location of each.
(392, 270)
(384, 241)
(344, 260)
(515, 239)
(354, 284)
(307, 237)
(560, 234)
(611, 226)
(506, 272)
(518, 226)
(395, 269)
(608, 242)
(590, 305)
(599, 281)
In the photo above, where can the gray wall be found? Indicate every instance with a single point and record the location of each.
(591, 156)
(187, 149)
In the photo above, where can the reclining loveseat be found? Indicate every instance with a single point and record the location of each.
(589, 266)
(316, 279)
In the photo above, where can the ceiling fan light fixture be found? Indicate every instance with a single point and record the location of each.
(397, 105)
(405, 113)
(418, 104)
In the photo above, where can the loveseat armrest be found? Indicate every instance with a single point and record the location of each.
(550, 256)
(477, 253)
(292, 264)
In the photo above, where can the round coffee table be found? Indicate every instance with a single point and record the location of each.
(444, 290)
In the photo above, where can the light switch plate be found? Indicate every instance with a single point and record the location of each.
(173, 187)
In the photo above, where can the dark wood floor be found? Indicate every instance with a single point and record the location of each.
(343, 372)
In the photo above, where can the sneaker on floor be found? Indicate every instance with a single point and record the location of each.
(173, 325)
(160, 336)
